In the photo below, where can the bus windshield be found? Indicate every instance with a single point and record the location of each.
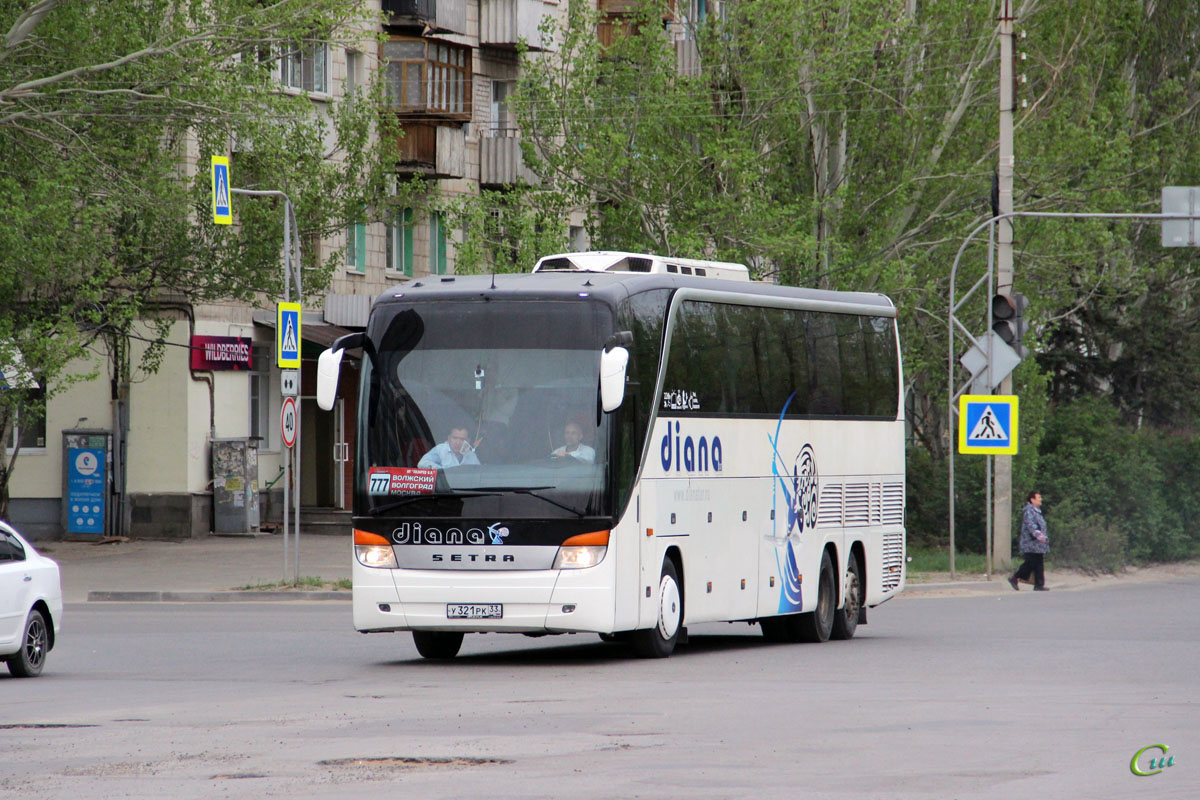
(482, 408)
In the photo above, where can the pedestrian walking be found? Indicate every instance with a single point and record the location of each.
(1033, 544)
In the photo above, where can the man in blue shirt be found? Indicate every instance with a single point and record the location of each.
(454, 452)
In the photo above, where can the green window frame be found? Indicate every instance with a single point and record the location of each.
(400, 243)
(356, 248)
(437, 243)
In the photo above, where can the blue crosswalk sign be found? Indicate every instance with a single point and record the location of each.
(987, 423)
(287, 335)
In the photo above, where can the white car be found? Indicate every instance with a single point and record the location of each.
(31, 604)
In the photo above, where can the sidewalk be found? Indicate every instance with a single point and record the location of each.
(203, 569)
(217, 568)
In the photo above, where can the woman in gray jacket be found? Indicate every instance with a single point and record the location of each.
(1033, 544)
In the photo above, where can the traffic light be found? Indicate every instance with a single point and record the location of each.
(1008, 320)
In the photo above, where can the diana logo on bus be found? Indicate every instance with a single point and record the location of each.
(690, 455)
(414, 533)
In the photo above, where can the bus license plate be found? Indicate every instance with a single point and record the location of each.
(474, 610)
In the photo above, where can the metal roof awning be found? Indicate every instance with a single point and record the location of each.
(312, 328)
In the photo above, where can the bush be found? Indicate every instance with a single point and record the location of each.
(1100, 476)
(1086, 540)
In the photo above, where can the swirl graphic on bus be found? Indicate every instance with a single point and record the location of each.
(799, 486)
(802, 509)
(790, 598)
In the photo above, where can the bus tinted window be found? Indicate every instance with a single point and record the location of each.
(730, 359)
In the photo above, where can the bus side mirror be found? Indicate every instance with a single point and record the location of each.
(328, 367)
(612, 377)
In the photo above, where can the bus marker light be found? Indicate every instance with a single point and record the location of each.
(743, 584)
(569, 608)
(772, 580)
(709, 588)
(649, 531)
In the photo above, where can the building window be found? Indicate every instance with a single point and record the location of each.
(356, 248)
(306, 68)
(400, 243)
(501, 122)
(424, 75)
(437, 243)
(353, 70)
(30, 432)
(260, 395)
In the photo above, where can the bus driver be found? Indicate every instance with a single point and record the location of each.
(574, 447)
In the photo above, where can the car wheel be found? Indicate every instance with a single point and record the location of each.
(29, 660)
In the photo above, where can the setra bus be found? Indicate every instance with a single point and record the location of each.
(612, 444)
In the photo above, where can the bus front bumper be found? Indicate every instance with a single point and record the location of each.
(533, 601)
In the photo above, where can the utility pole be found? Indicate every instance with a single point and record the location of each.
(1002, 496)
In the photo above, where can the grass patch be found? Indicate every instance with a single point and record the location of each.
(307, 583)
(937, 559)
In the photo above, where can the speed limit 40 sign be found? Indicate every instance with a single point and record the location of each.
(287, 421)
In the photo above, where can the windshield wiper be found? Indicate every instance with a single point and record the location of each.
(403, 501)
(532, 492)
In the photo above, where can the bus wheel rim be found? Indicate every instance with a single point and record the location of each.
(668, 608)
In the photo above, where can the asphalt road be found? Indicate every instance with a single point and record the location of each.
(1018, 695)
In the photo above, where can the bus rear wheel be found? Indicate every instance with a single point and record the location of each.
(439, 645)
(659, 641)
(845, 619)
(817, 625)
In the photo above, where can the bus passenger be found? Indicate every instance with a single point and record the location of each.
(454, 452)
(574, 447)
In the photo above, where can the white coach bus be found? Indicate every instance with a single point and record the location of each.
(612, 445)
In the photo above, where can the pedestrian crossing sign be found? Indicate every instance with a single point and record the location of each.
(987, 423)
(222, 209)
(287, 335)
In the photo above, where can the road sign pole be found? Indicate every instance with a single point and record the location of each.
(287, 479)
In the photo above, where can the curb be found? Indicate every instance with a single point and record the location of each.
(917, 587)
(214, 597)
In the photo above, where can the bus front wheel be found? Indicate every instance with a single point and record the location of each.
(659, 641)
(437, 644)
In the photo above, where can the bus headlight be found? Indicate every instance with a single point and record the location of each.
(584, 550)
(373, 550)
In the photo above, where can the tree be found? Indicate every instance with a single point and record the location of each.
(852, 145)
(108, 115)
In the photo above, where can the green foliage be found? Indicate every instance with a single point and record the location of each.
(507, 231)
(1105, 485)
(109, 113)
(937, 559)
(852, 145)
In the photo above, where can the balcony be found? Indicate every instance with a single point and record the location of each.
(434, 15)
(687, 57)
(500, 160)
(435, 151)
(504, 23)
